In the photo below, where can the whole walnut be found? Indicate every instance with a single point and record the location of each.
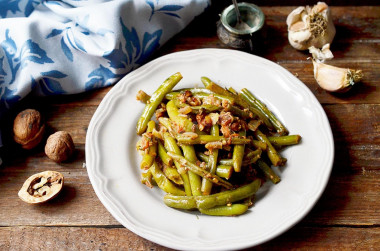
(59, 146)
(28, 128)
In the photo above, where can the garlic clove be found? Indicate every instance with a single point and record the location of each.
(300, 25)
(319, 7)
(335, 79)
(295, 16)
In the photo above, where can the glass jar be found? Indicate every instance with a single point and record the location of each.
(240, 36)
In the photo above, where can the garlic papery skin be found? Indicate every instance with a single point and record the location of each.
(321, 55)
(335, 79)
(310, 26)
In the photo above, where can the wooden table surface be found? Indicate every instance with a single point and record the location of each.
(347, 216)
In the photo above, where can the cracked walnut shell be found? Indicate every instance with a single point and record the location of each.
(59, 146)
(28, 128)
(41, 187)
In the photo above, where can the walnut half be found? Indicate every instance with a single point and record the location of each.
(41, 187)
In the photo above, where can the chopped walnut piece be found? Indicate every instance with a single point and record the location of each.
(211, 100)
(204, 120)
(225, 120)
(161, 111)
(236, 126)
(190, 135)
(214, 145)
(185, 110)
(187, 97)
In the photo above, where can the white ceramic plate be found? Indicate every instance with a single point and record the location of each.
(113, 163)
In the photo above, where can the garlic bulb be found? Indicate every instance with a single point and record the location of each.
(310, 26)
(335, 79)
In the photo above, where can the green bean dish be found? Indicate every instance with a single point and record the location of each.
(210, 149)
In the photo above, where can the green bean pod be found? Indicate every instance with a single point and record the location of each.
(200, 171)
(226, 162)
(232, 90)
(164, 183)
(203, 157)
(215, 87)
(238, 154)
(244, 114)
(256, 111)
(146, 178)
(204, 139)
(249, 97)
(195, 90)
(163, 155)
(213, 200)
(166, 122)
(259, 144)
(211, 164)
(173, 113)
(188, 151)
(148, 158)
(241, 101)
(232, 210)
(224, 171)
(155, 100)
(284, 140)
(171, 145)
(195, 180)
(252, 157)
(268, 172)
(195, 109)
(172, 174)
(180, 202)
(202, 95)
(273, 155)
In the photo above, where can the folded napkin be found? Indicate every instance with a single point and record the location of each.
(66, 47)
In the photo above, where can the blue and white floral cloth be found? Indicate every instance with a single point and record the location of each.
(71, 46)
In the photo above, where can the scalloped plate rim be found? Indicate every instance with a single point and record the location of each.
(116, 211)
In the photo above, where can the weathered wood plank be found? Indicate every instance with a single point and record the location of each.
(350, 199)
(348, 122)
(357, 36)
(73, 238)
(335, 238)
(365, 92)
(77, 204)
(351, 196)
(345, 217)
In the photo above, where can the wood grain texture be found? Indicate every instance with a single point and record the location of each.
(74, 238)
(356, 169)
(345, 217)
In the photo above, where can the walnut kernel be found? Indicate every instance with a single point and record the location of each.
(59, 146)
(41, 187)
